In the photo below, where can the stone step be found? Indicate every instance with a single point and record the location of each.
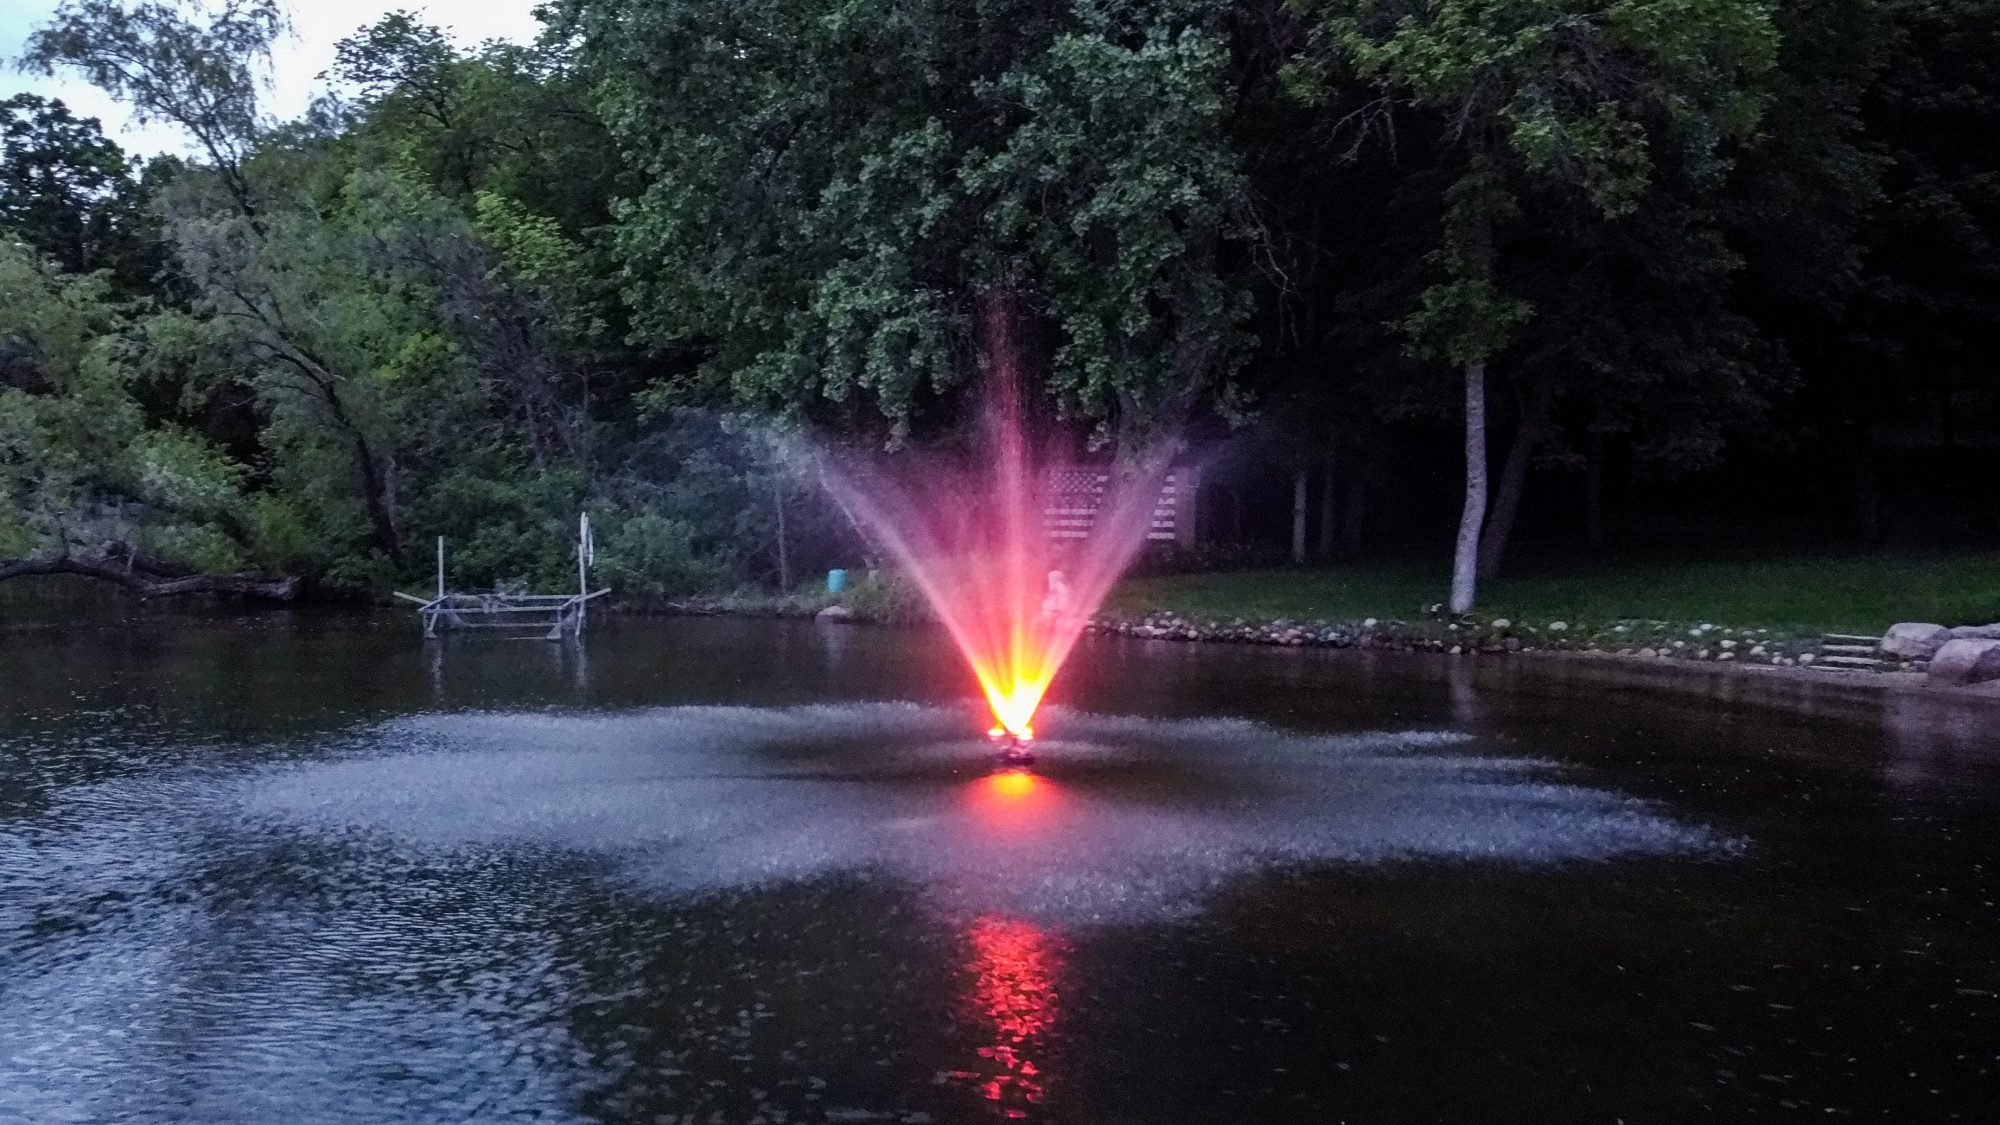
(1852, 639)
(1849, 650)
(1865, 663)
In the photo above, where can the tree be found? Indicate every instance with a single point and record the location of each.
(72, 193)
(88, 484)
(201, 74)
(1536, 96)
(1928, 297)
(509, 120)
(830, 196)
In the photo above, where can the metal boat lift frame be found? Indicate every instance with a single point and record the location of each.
(559, 615)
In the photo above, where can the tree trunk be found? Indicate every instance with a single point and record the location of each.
(1326, 509)
(378, 492)
(1867, 489)
(1593, 491)
(392, 511)
(1513, 480)
(1299, 484)
(1353, 513)
(1465, 559)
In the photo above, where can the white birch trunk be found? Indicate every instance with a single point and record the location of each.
(1465, 561)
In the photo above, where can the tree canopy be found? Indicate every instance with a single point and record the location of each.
(1632, 245)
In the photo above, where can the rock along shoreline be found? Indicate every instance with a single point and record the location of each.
(1650, 640)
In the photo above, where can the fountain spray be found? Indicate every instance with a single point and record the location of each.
(973, 533)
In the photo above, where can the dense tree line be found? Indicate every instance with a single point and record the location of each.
(1353, 244)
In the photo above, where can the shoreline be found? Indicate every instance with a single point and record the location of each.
(1882, 683)
(1665, 653)
(1668, 653)
(1896, 678)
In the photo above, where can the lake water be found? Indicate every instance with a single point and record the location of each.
(305, 867)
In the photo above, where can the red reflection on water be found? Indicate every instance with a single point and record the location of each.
(1012, 785)
(1013, 806)
(1015, 965)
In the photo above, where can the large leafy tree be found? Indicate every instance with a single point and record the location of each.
(1530, 100)
(829, 195)
(504, 119)
(1928, 298)
(72, 193)
(83, 469)
(200, 71)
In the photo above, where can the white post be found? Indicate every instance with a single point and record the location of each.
(440, 568)
(582, 569)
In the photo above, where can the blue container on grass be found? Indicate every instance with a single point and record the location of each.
(836, 581)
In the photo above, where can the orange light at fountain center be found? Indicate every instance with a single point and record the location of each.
(1012, 785)
(1014, 693)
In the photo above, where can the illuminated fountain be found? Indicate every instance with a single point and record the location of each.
(971, 531)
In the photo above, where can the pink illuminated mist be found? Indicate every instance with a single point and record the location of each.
(972, 531)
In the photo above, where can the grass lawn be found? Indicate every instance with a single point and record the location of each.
(1801, 592)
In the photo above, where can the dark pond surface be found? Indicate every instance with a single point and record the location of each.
(305, 868)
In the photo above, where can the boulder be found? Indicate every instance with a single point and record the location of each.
(1976, 633)
(834, 615)
(1913, 640)
(1969, 660)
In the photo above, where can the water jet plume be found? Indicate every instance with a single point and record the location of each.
(972, 529)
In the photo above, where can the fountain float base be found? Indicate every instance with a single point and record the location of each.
(1011, 749)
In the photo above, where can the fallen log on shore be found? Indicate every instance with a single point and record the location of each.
(147, 578)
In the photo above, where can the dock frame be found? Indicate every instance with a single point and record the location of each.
(556, 616)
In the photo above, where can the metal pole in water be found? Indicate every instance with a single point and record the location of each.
(440, 568)
(582, 569)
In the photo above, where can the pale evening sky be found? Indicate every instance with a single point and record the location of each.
(296, 64)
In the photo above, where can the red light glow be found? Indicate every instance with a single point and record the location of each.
(1014, 807)
(1012, 784)
(1015, 965)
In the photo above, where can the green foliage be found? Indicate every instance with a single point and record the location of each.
(652, 556)
(203, 547)
(280, 539)
(177, 470)
(1117, 190)
(198, 71)
(1551, 96)
(829, 195)
(887, 597)
(71, 193)
(79, 460)
(491, 286)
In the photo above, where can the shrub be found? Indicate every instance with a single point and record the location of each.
(656, 557)
(887, 596)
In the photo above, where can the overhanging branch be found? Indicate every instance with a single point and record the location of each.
(146, 585)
